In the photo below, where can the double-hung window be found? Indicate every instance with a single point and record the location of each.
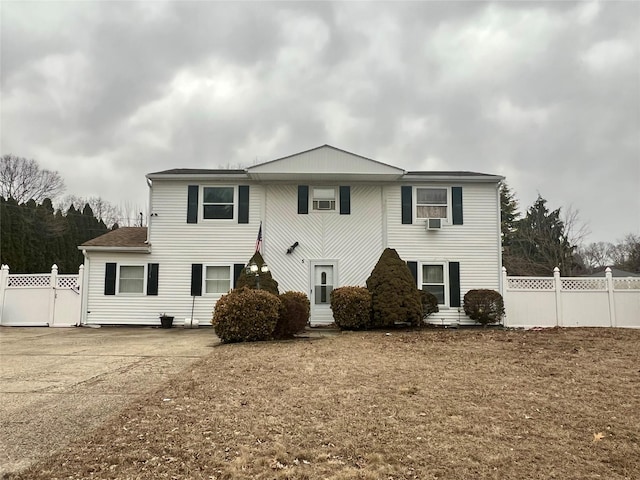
(131, 279)
(217, 279)
(431, 203)
(217, 202)
(434, 281)
(324, 198)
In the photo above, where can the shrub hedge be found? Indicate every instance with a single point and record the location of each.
(294, 315)
(484, 306)
(267, 282)
(429, 303)
(245, 315)
(351, 307)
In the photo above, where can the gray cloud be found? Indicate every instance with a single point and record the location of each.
(545, 93)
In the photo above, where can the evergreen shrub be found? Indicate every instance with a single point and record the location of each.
(245, 315)
(394, 295)
(294, 314)
(484, 306)
(249, 280)
(351, 307)
(429, 303)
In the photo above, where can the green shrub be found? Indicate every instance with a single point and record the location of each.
(351, 308)
(484, 306)
(250, 280)
(394, 296)
(294, 314)
(245, 315)
(429, 303)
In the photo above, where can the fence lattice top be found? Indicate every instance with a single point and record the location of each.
(631, 283)
(68, 281)
(584, 284)
(29, 281)
(526, 283)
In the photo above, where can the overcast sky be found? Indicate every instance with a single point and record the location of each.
(544, 93)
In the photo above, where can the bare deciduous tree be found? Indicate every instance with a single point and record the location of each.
(22, 179)
(102, 209)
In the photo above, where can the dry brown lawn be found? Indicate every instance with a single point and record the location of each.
(454, 404)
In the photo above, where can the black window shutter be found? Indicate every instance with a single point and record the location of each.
(345, 200)
(192, 204)
(110, 279)
(303, 199)
(456, 204)
(237, 270)
(407, 205)
(196, 279)
(413, 268)
(243, 204)
(454, 284)
(152, 279)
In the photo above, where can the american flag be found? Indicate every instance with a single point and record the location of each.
(259, 240)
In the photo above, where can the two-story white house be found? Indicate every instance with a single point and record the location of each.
(326, 217)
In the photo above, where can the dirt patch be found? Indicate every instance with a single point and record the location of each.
(410, 405)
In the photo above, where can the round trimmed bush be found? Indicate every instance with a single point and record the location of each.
(429, 303)
(351, 307)
(246, 315)
(294, 315)
(484, 306)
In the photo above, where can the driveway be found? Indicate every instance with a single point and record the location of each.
(58, 383)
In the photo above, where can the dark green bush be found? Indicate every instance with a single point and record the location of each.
(484, 306)
(429, 303)
(245, 315)
(294, 315)
(351, 308)
(394, 295)
(249, 280)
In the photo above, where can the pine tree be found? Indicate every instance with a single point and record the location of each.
(509, 214)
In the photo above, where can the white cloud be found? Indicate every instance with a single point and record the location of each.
(609, 55)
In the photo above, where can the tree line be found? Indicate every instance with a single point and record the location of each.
(35, 233)
(535, 243)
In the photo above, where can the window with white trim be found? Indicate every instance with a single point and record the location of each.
(324, 198)
(131, 279)
(434, 281)
(218, 203)
(217, 279)
(431, 202)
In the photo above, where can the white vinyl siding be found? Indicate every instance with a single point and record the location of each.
(475, 244)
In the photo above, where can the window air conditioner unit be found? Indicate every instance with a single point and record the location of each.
(324, 204)
(434, 223)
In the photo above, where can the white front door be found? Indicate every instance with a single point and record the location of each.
(323, 280)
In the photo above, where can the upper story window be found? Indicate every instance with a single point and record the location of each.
(131, 279)
(431, 203)
(217, 202)
(324, 198)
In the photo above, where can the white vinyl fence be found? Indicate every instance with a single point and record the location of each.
(45, 299)
(571, 301)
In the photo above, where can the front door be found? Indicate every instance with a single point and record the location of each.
(323, 280)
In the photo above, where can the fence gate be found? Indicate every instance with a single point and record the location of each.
(40, 299)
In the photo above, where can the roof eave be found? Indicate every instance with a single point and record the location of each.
(454, 178)
(99, 248)
(197, 176)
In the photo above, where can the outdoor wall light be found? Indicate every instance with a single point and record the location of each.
(292, 248)
(253, 268)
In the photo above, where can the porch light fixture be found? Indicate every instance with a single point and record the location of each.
(254, 269)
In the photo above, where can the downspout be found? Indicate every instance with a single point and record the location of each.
(84, 299)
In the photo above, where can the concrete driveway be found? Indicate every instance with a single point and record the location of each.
(58, 383)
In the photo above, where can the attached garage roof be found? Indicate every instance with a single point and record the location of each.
(123, 238)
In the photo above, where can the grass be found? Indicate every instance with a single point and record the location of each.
(466, 404)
